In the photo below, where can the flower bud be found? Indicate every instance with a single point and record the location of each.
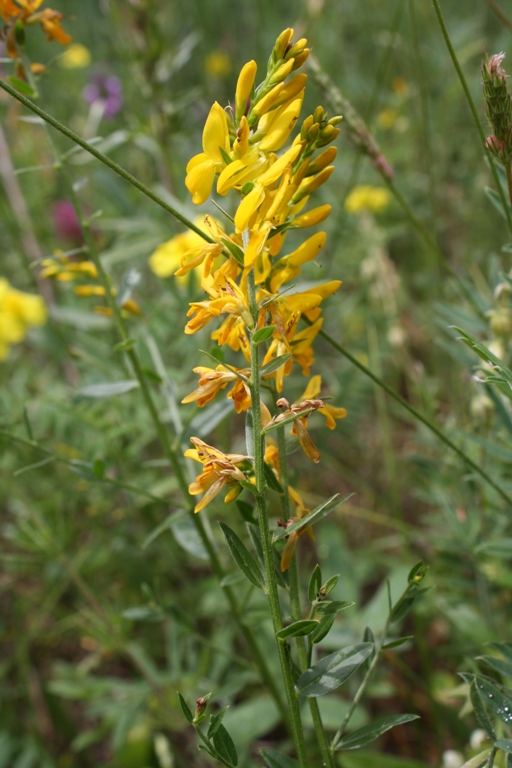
(265, 103)
(282, 73)
(282, 43)
(244, 87)
(313, 132)
(296, 49)
(323, 160)
(232, 494)
(300, 59)
(495, 146)
(201, 704)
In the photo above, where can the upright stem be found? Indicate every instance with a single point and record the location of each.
(327, 757)
(161, 430)
(268, 553)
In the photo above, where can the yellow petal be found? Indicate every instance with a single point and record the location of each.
(248, 206)
(313, 388)
(309, 249)
(216, 134)
(199, 181)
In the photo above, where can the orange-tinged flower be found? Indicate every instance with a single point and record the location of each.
(330, 412)
(219, 469)
(212, 380)
(26, 12)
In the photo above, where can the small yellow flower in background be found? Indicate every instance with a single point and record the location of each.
(77, 56)
(367, 198)
(217, 63)
(400, 86)
(387, 118)
(166, 259)
(18, 311)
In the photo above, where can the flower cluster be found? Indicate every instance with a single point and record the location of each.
(18, 14)
(241, 146)
(498, 107)
(18, 311)
(68, 269)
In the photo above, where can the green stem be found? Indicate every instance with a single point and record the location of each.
(508, 171)
(160, 428)
(417, 415)
(266, 540)
(473, 110)
(293, 572)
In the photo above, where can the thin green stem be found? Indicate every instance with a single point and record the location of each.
(417, 415)
(161, 430)
(266, 540)
(473, 110)
(508, 170)
(293, 572)
(500, 14)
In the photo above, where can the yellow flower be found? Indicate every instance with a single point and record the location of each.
(77, 56)
(330, 412)
(202, 168)
(292, 539)
(367, 198)
(167, 258)
(218, 63)
(219, 469)
(387, 118)
(18, 311)
(212, 380)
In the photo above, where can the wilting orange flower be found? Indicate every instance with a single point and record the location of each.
(219, 469)
(27, 12)
(212, 380)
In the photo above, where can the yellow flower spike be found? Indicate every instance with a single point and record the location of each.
(312, 217)
(280, 125)
(312, 183)
(323, 160)
(244, 87)
(282, 43)
(202, 168)
(263, 105)
(278, 168)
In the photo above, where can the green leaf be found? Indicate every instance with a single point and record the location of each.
(144, 613)
(263, 334)
(186, 709)
(333, 670)
(243, 557)
(478, 760)
(370, 732)
(498, 702)
(323, 628)
(504, 744)
(329, 607)
(395, 643)
(498, 548)
(108, 388)
(275, 759)
(330, 584)
(234, 250)
(298, 629)
(315, 583)
(314, 517)
(249, 432)
(500, 665)
(224, 745)
(186, 535)
(503, 648)
(274, 364)
(215, 721)
(124, 346)
(22, 87)
(98, 468)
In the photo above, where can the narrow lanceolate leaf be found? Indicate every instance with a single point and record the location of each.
(333, 670)
(505, 744)
(275, 759)
(108, 388)
(272, 481)
(224, 745)
(478, 760)
(315, 583)
(215, 721)
(298, 629)
(323, 628)
(370, 732)
(395, 643)
(274, 365)
(498, 701)
(186, 709)
(263, 334)
(314, 517)
(477, 700)
(243, 557)
(332, 606)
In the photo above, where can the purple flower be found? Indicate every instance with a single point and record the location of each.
(66, 223)
(106, 89)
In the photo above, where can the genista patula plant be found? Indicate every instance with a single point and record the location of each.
(268, 162)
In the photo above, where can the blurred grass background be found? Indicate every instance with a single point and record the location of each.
(108, 605)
